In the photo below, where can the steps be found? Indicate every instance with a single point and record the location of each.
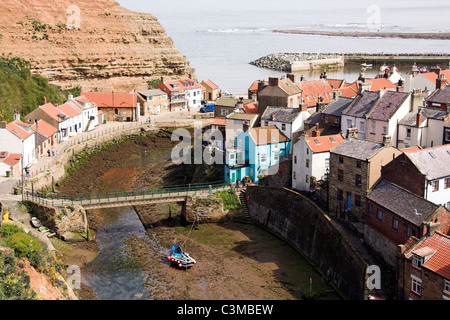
(245, 214)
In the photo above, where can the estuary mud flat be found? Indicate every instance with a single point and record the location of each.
(128, 258)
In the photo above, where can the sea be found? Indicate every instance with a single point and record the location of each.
(220, 38)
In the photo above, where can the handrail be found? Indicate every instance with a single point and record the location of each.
(98, 197)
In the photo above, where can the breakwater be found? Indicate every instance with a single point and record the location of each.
(300, 61)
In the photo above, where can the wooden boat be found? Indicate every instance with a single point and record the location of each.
(180, 258)
(35, 222)
(49, 233)
(367, 66)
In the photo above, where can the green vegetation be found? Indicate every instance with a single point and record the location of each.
(230, 200)
(18, 247)
(22, 91)
(154, 83)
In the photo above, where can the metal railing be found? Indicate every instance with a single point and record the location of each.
(128, 195)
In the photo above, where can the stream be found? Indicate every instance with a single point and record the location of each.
(110, 274)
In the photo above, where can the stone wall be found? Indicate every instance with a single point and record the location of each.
(208, 209)
(308, 228)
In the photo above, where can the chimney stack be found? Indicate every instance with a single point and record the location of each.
(436, 70)
(417, 99)
(44, 100)
(16, 116)
(3, 124)
(387, 141)
(440, 81)
(419, 118)
(291, 77)
(352, 132)
(302, 78)
(316, 132)
(273, 82)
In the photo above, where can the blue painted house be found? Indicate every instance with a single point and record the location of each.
(258, 152)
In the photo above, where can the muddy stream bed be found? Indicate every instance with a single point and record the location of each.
(128, 261)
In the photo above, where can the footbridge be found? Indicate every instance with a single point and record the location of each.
(126, 198)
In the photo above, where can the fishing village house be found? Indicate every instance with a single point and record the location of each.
(10, 164)
(116, 106)
(17, 137)
(315, 94)
(210, 91)
(424, 127)
(66, 119)
(225, 106)
(425, 173)
(424, 267)
(255, 88)
(311, 159)
(439, 99)
(183, 94)
(395, 214)
(152, 102)
(88, 110)
(279, 93)
(355, 166)
(257, 150)
(46, 136)
(427, 81)
(236, 123)
(289, 121)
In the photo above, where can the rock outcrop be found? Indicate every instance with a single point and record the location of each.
(92, 44)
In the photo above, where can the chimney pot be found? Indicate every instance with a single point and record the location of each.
(273, 82)
(419, 118)
(2, 124)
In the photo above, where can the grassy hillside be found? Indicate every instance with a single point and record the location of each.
(19, 90)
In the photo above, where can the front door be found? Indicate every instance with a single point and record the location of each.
(349, 201)
(233, 177)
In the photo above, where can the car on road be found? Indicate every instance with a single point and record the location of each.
(207, 108)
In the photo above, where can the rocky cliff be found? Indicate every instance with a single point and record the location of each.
(92, 44)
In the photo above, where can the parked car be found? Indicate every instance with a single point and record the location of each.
(207, 108)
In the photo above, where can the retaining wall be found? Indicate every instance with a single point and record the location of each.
(308, 228)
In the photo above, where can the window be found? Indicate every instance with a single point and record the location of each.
(357, 200)
(340, 175)
(295, 175)
(358, 182)
(417, 261)
(263, 158)
(295, 159)
(358, 164)
(307, 163)
(410, 231)
(349, 123)
(340, 195)
(326, 118)
(384, 130)
(336, 120)
(374, 125)
(341, 160)
(276, 156)
(380, 215)
(408, 133)
(435, 185)
(416, 285)
(307, 179)
(370, 208)
(447, 183)
(394, 223)
(362, 126)
(267, 123)
(283, 127)
(224, 112)
(447, 286)
(232, 156)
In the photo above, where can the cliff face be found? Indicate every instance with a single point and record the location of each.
(93, 44)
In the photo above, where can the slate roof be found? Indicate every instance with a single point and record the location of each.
(427, 113)
(336, 107)
(388, 105)
(402, 202)
(439, 261)
(433, 162)
(314, 119)
(278, 114)
(231, 102)
(361, 104)
(151, 92)
(440, 96)
(358, 148)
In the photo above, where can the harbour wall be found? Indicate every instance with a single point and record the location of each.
(306, 227)
(317, 64)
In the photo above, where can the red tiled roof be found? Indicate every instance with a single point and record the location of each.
(251, 108)
(254, 86)
(324, 143)
(17, 128)
(112, 99)
(432, 76)
(12, 159)
(347, 92)
(337, 84)
(210, 84)
(44, 128)
(219, 121)
(51, 111)
(313, 88)
(411, 149)
(440, 261)
(381, 83)
(68, 110)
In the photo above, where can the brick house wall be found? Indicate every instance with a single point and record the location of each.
(331, 120)
(432, 284)
(404, 173)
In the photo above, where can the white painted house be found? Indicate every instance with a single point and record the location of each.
(311, 158)
(88, 110)
(287, 120)
(18, 137)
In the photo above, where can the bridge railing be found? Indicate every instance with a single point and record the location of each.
(57, 199)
